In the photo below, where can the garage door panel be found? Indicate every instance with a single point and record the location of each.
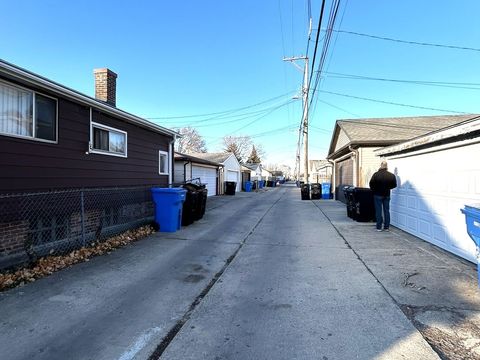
(412, 202)
(424, 228)
(439, 233)
(207, 176)
(402, 220)
(423, 207)
(412, 223)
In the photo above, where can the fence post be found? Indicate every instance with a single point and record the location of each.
(82, 216)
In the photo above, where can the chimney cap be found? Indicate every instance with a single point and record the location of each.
(104, 70)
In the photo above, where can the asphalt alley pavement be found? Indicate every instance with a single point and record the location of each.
(264, 275)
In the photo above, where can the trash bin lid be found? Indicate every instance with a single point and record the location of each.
(168, 190)
(472, 209)
(473, 206)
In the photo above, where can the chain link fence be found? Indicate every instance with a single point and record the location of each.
(37, 224)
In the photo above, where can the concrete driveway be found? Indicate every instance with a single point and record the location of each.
(263, 275)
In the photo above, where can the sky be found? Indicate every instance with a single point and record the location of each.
(218, 65)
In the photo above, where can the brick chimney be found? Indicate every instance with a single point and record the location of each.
(105, 85)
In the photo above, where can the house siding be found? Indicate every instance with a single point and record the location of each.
(369, 164)
(29, 165)
(342, 140)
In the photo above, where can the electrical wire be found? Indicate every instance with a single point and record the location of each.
(221, 112)
(391, 102)
(263, 116)
(409, 42)
(316, 40)
(455, 85)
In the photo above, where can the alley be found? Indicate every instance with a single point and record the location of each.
(263, 276)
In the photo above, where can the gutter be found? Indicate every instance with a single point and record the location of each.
(27, 76)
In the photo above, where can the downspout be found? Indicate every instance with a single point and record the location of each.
(185, 171)
(355, 165)
(334, 184)
(170, 163)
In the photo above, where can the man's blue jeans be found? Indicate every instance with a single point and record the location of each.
(382, 202)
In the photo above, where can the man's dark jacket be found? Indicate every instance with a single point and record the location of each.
(382, 181)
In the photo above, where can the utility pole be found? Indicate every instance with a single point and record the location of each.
(305, 90)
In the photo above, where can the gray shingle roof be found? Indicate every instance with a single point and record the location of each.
(398, 128)
(186, 157)
(388, 131)
(215, 157)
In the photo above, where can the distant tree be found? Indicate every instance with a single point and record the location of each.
(190, 142)
(238, 145)
(254, 158)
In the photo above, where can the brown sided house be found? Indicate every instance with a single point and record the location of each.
(354, 141)
(73, 168)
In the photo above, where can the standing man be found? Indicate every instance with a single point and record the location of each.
(381, 183)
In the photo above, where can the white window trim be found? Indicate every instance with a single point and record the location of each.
(34, 126)
(167, 165)
(107, 128)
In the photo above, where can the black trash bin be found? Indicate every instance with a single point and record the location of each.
(316, 191)
(202, 192)
(348, 193)
(305, 190)
(364, 205)
(190, 205)
(230, 187)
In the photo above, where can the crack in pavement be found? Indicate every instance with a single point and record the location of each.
(160, 349)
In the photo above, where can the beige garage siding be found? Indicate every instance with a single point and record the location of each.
(369, 164)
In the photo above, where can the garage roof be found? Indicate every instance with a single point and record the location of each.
(185, 157)
(464, 131)
(215, 157)
(388, 131)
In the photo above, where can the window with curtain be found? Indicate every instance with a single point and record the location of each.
(25, 113)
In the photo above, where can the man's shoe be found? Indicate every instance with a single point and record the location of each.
(379, 229)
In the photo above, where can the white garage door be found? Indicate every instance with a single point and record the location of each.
(233, 176)
(207, 176)
(433, 187)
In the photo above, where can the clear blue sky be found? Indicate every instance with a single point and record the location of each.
(181, 58)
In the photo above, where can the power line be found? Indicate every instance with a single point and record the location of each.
(316, 40)
(261, 117)
(409, 42)
(221, 112)
(248, 115)
(391, 102)
(326, 43)
(338, 108)
(456, 85)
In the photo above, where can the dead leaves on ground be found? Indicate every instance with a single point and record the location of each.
(50, 264)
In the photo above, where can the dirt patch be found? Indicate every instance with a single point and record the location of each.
(48, 265)
(454, 334)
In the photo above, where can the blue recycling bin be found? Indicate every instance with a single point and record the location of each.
(261, 184)
(168, 208)
(326, 190)
(248, 186)
(472, 218)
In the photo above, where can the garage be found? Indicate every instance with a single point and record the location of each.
(207, 176)
(232, 175)
(435, 181)
(188, 167)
